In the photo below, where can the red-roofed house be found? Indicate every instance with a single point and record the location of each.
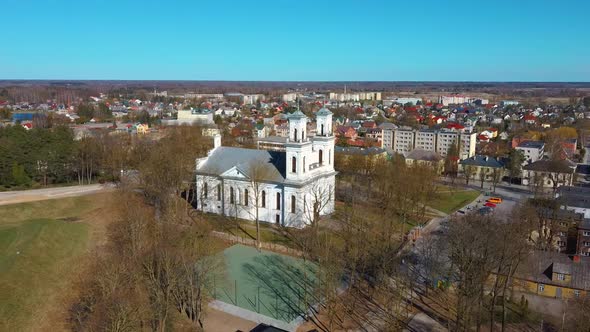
(483, 138)
(346, 131)
(455, 126)
(530, 119)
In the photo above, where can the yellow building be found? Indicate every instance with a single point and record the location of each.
(554, 275)
(142, 128)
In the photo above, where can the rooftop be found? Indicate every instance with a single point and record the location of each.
(482, 161)
(541, 265)
(222, 159)
(425, 155)
(532, 144)
(358, 151)
(553, 166)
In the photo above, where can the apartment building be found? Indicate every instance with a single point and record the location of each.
(425, 140)
(583, 243)
(440, 141)
(403, 140)
(532, 151)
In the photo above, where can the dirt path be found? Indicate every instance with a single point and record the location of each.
(23, 196)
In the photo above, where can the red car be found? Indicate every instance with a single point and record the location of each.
(488, 204)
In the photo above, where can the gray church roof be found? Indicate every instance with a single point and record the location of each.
(323, 111)
(297, 115)
(272, 163)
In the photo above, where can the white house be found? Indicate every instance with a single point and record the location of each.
(532, 150)
(291, 187)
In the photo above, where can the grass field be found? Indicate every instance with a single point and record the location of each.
(40, 246)
(451, 201)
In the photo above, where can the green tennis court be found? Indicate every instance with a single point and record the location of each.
(267, 283)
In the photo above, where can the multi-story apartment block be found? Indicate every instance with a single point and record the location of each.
(583, 243)
(445, 140)
(425, 140)
(403, 140)
(467, 143)
(532, 151)
(440, 141)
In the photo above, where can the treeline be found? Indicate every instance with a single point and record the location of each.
(47, 156)
(36, 156)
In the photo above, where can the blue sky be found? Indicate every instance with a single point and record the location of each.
(344, 40)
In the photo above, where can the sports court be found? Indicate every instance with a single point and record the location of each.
(267, 283)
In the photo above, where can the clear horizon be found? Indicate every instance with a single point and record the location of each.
(297, 41)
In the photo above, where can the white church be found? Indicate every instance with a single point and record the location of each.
(291, 187)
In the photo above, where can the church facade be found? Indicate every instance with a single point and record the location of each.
(292, 188)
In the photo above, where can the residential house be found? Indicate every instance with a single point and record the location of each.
(554, 275)
(425, 157)
(576, 199)
(482, 166)
(549, 173)
(346, 132)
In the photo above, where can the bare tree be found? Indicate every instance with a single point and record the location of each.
(258, 173)
(468, 173)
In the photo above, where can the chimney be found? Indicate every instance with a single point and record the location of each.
(216, 141)
(576, 258)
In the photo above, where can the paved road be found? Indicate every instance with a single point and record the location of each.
(22, 196)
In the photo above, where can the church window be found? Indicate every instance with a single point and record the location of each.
(293, 164)
(303, 164)
(263, 203)
(322, 130)
(293, 203)
(246, 197)
(231, 195)
(219, 192)
(278, 201)
(295, 134)
(321, 157)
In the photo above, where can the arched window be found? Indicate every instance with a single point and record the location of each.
(293, 164)
(295, 134)
(231, 195)
(322, 130)
(205, 191)
(321, 157)
(219, 192)
(303, 164)
(278, 201)
(329, 157)
(263, 203)
(246, 197)
(293, 202)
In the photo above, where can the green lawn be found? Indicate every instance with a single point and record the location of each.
(39, 245)
(246, 229)
(449, 202)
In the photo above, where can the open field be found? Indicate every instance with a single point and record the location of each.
(42, 246)
(449, 201)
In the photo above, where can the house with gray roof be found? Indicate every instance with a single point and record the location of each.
(549, 173)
